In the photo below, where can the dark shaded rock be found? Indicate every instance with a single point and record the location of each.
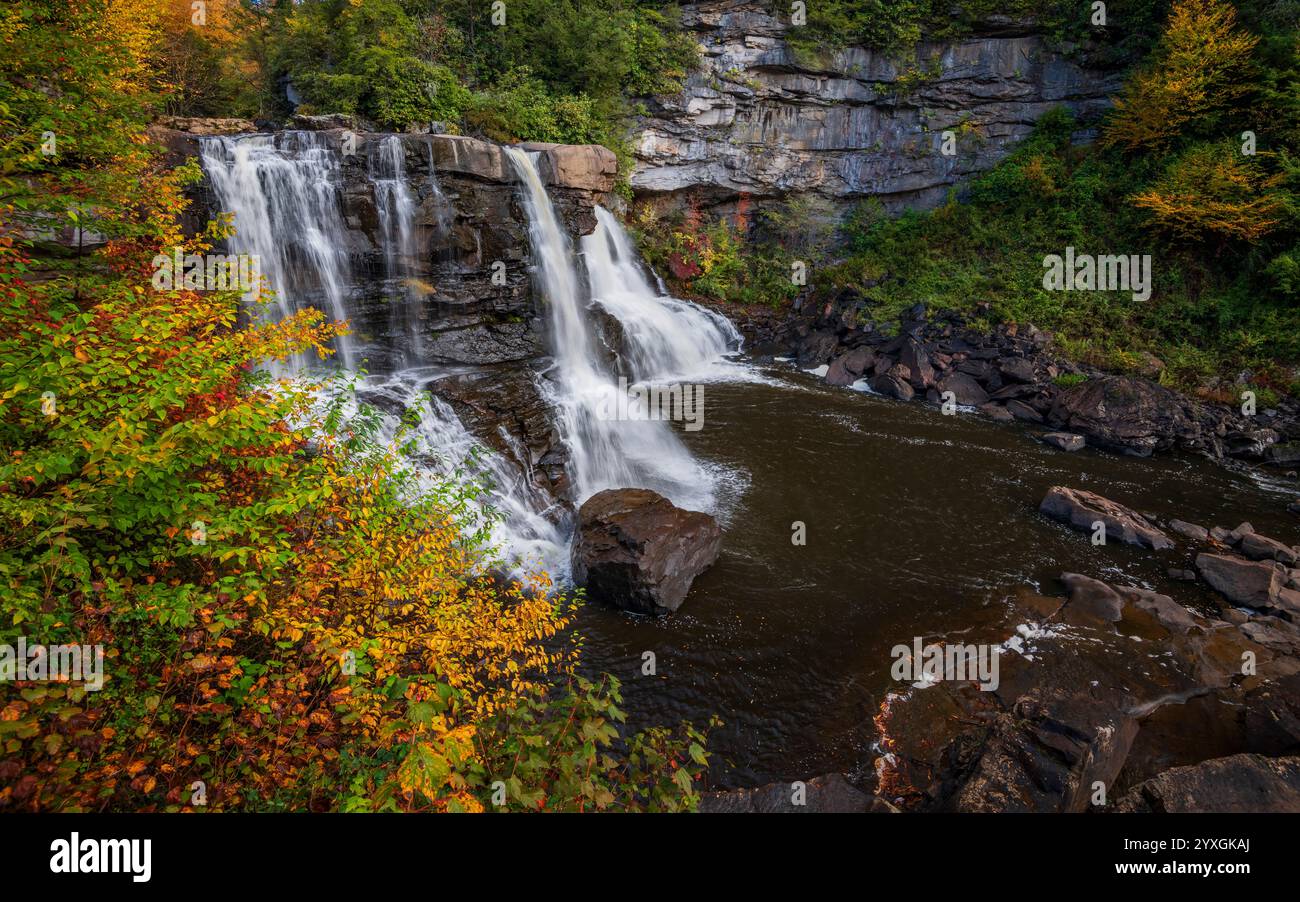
(1080, 509)
(634, 549)
(816, 349)
(1187, 576)
(1065, 441)
(1022, 411)
(1252, 583)
(893, 385)
(917, 360)
(1272, 720)
(965, 389)
(1262, 548)
(1045, 755)
(827, 794)
(1016, 369)
(1190, 530)
(1235, 784)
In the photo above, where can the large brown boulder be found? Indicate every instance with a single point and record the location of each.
(1127, 414)
(1252, 583)
(1080, 510)
(636, 550)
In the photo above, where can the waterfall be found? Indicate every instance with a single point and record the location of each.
(283, 193)
(663, 337)
(386, 163)
(603, 452)
(286, 196)
(444, 450)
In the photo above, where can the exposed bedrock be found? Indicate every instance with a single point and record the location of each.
(755, 123)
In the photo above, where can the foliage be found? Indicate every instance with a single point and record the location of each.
(1214, 191)
(289, 620)
(553, 71)
(1200, 69)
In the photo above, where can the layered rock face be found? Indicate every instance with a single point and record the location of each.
(469, 268)
(754, 123)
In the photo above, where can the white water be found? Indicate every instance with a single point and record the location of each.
(665, 338)
(396, 208)
(603, 452)
(284, 195)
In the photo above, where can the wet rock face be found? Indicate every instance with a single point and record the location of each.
(828, 794)
(754, 123)
(504, 408)
(465, 285)
(634, 549)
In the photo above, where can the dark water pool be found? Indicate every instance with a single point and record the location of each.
(915, 523)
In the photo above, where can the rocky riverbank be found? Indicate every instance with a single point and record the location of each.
(1015, 372)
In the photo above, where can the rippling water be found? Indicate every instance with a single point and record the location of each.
(917, 524)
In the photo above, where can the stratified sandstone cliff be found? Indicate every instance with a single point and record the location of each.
(754, 124)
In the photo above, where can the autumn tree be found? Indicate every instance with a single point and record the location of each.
(1199, 70)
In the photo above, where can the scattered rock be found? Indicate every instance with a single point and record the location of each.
(1254, 584)
(1190, 530)
(1080, 510)
(1016, 369)
(636, 550)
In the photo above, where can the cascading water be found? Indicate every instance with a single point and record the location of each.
(604, 452)
(396, 207)
(663, 338)
(283, 192)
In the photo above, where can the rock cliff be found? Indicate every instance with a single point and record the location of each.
(755, 123)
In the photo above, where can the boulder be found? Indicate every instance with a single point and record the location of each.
(1245, 784)
(1252, 583)
(1262, 548)
(964, 388)
(893, 385)
(636, 550)
(1127, 414)
(1190, 530)
(1080, 509)
(848, 368)
(1092, 598)
(1066, 441)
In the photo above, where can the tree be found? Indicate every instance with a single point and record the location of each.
(1200, 69)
